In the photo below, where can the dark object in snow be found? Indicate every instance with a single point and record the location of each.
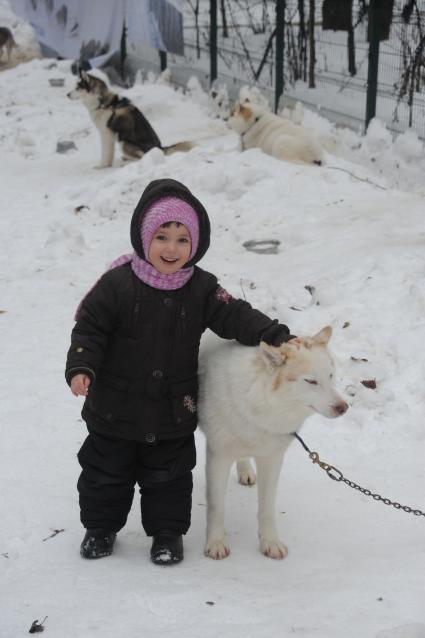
(97, 543)
(64, 147)
(78, 209)
(54, 533)
(262, 246)
(167, 548)
(369, 383)
(36, 627)
(358, 359)
(346, 324)
(310, 289)
(210, 602)
(57, 81)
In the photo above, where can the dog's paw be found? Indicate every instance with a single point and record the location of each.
(246, 473)
(100, 166)
(217, 550)
(273, 548)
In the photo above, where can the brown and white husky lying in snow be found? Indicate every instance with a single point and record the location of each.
(275, 135)
(251, 400)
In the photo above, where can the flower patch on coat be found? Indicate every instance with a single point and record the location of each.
(189, 403)
(222, 295)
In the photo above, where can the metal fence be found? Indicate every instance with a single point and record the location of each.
(290, 50)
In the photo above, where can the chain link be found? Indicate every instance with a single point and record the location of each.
(337, 475)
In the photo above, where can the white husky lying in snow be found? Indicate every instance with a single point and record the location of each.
(276, 136)
(251, 400)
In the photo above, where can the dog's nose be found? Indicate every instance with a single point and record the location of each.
(340, 408)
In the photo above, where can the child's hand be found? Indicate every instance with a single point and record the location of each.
(80, 385)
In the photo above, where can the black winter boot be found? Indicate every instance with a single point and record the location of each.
(97, 543)
(167, 548)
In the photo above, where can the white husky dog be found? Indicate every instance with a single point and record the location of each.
(251, 401)
(275, 135)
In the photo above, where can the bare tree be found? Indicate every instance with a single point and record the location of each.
(224, 18)
(194, 5)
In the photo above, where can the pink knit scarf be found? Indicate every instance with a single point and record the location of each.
(151, 276)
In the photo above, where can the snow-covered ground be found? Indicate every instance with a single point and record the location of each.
(356, 568)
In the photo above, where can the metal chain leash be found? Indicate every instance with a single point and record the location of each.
(337, 475)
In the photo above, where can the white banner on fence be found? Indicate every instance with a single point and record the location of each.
(156, 23)
(76, 29)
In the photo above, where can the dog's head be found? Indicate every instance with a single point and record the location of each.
(244, 116)
(90, 89)
(303, 372)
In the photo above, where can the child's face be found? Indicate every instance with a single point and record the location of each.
(170, 248)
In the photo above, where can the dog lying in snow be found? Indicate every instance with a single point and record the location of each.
(275, 135)
(117, 119)
(251, 400)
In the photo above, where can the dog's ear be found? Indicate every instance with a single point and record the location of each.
(322, 337)
(83, 75)
(274, 357)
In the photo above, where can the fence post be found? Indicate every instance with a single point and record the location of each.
(163, 60)
(373, 60)
(280, 31)
(213, 40)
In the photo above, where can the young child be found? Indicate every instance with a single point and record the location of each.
(134, 357)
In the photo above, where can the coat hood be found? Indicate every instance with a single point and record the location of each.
(161, 188)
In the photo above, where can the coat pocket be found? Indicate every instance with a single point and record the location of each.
(184, 401)
(110, 398)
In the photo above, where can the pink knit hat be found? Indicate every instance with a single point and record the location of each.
(169, 209)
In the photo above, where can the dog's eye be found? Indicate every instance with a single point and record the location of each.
(311, 381)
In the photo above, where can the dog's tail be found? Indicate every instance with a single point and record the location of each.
(183, 147)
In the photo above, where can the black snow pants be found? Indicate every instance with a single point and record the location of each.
(111, 468)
